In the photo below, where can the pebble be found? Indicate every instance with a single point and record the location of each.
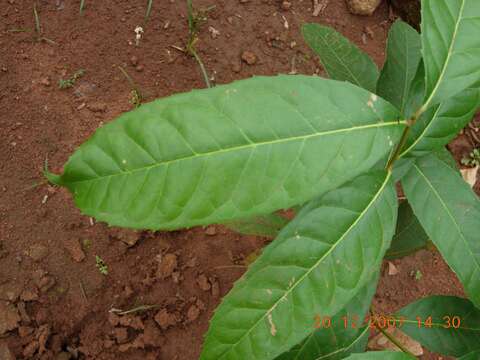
(249, 57)
(37, 252)
(363, 7)
(75, 250)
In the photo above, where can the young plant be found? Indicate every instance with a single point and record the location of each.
(68, 83)
(82, 6)
(136, 97)
(101, 266)
(195, 19)
(473, 159)
(334, 149)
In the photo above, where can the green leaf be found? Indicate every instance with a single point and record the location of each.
(475, 355)
(444, 155)
(451, 49)
(403, 57)
(409, 237)
(341, 59)
(347, 334)
(319, 261)
(463, 318)
(381, 355)
(416, 94)
(449, 211)
(263, 225)
(441, 124)
(235, 151)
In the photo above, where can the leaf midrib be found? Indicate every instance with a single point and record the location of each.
(447, 60)
(322, 258)
(242, 147)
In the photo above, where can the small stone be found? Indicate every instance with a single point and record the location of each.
(5, 353)
(215, 289)
(363, 7)
(193, 313)
(9, 317)
(139, 68)
(45, 82)
(236, 67)
(75, 250)
(286, 5)
(97, 107)
(392, 269)
(121, 335)
(167, 266)
(249, 57)
(37, 252)
(211, 230)
(203, 283)
(134, 60)
(127, 236)
(165, 319)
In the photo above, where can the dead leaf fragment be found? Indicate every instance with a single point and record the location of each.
(392, 269)
(381, 342)
(470, 175)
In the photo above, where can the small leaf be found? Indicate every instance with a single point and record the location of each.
(403, 57)
(263, 225)
(449, 211)
(317, 264)
(448, 325)
(409, 237)
(347, 333)
(441, 124)
(381, 355)
(417, 92)
(342, 59)
(450, 50)
(230, 152)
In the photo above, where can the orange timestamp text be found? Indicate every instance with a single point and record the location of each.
(384, 321)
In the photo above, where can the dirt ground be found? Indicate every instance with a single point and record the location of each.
(54, 301)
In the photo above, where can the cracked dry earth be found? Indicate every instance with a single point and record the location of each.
(160, 288)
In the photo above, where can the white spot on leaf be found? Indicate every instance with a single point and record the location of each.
(273, 329)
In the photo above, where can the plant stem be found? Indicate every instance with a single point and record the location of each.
(404, 138)
(37, 19)
(202, 67)
(82, 5)
(149, 9)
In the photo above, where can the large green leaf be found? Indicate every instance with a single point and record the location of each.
(440, 124)
(381, 355)
(347, 334)
(449, 211)
(403, 57)
(444, 324)
(409, 237)
(319, 261)
(230, 152)
(342, 59)
(262, 225)
(451, 47)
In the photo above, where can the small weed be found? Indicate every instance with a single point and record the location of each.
(473, 159)
(102, 267)
(417, 275)
(195, 20)
(136, 97)
(38, 28)
(68, 83)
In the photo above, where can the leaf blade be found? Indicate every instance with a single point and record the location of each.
(257, 321)
(448, 341)
(409, 236)
(450, 218)
(342, 338)
(403, 58)
(155, 168)
(450, 52)
(342, 59)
